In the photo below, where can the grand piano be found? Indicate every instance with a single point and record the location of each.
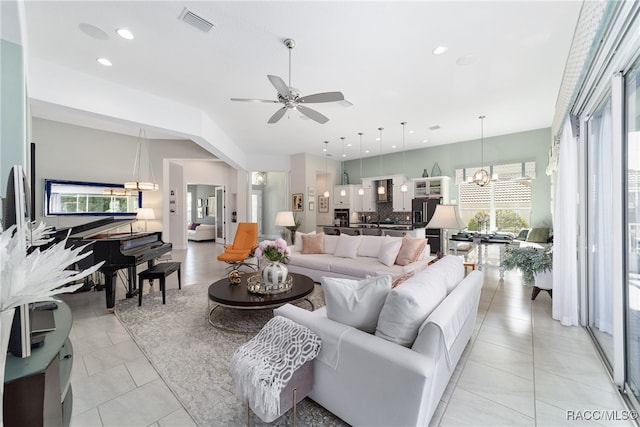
(117, 250)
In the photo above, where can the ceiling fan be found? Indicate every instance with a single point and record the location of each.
(292, 98)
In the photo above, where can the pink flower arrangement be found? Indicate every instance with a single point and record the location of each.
(274, 250)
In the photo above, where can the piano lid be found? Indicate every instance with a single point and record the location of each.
(93, 228)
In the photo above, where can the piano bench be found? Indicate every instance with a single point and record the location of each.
(160, 272)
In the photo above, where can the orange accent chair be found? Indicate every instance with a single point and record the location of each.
(244, 245)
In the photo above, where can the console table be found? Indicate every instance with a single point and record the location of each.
(37, 389)
(482, 241)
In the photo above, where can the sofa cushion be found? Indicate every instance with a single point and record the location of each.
(450, 269)
(298, 245)
(347, 246)
(538, 235)
(356, 303)
(389, 250)
(407, 306)
(312, 261)
(330, 243)
(312, 243)
(411, 249)
(370, 246)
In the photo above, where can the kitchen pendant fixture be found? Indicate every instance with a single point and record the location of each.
(481, 177)
(381, 189)
(326, 170)
(361, 189)
(345, 177)
(403, 188)
(137, 184)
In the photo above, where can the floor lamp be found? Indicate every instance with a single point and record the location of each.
(285, 219)
(446, 217)
(146, 214)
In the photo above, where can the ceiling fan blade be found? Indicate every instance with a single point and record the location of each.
(278, 115)
(280, 85)
(322, 97)
(346, 103)
(254, 100)
(312, 114)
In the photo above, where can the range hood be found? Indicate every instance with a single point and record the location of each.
(386, 197)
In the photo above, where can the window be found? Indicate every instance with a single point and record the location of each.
(504, 205)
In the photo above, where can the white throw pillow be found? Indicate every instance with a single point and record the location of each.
(347, 246)
(389, 250)
(356, 303)
(298, 244)
(406, 308)
(370, 246)
(330, 243)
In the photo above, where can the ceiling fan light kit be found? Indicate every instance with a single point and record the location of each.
(292, 98)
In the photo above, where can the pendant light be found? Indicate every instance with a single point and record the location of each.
(481, 177)
(137, 184)
(361, 189)
(381, 189)
(403, 188)
(343, 192)
(326, 170)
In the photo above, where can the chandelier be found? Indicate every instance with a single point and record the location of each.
(137, 183)
(481, 177)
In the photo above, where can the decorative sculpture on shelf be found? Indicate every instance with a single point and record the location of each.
(435, 171)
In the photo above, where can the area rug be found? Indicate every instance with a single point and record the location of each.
(192, 356)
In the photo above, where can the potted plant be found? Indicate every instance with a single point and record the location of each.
(531, 261)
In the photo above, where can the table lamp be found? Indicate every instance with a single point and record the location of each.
(146, 214)
(285, 219)
(446, 217)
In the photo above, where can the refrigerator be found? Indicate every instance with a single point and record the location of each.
(422, 209)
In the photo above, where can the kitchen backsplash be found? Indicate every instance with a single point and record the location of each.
(384, 211)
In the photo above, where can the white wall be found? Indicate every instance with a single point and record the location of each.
(71, 152)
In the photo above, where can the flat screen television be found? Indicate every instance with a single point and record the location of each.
(16, 210)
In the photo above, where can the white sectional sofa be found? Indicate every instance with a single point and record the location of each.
(368, 380)
(202, 232)
(355, 257)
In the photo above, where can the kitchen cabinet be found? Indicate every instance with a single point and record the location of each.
(345, 201)
(433, 187)
(367, 202)
(402, 200)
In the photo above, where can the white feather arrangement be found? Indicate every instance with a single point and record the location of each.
(39, 275)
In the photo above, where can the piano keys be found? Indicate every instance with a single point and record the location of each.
(119, 251)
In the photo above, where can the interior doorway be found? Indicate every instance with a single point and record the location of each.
(206, 205)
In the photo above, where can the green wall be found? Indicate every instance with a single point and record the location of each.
(513, 148)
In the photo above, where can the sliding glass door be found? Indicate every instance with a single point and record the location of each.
(600, 226)
(632, 101)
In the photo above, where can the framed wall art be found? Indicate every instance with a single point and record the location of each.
(323, 204)
(298, 202)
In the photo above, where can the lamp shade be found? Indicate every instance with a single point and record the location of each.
(285, 219)
(446, 216)
(145, 213)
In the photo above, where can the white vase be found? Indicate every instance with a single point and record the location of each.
(544, 280)
(274, 275)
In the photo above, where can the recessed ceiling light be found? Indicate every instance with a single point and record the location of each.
(425, 140)
(440, 50)
(105, 62)
(124, 33)
(378, 139)
(393, 146)
(412, 131)
(344, 155)
(349, 145)
(367, 151)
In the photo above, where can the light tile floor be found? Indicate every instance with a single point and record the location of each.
(520, 367)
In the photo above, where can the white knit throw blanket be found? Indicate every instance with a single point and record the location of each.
(262, 366)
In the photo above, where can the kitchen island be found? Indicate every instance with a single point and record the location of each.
(374, 229)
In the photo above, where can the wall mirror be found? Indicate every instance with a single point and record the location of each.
(78, 198)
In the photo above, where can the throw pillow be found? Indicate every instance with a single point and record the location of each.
(298, 244)
(369, 246)
(538, 235)
(410, 250)
(406, 308)
(194, 225)
(356, 303)
(330, 243)
(389, 250)
(400, 279)
(347, 246)
(312, 243)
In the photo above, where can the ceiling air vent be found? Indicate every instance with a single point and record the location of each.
(436, 127)
(195, 21)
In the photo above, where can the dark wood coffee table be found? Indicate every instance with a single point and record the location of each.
(224, 294)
